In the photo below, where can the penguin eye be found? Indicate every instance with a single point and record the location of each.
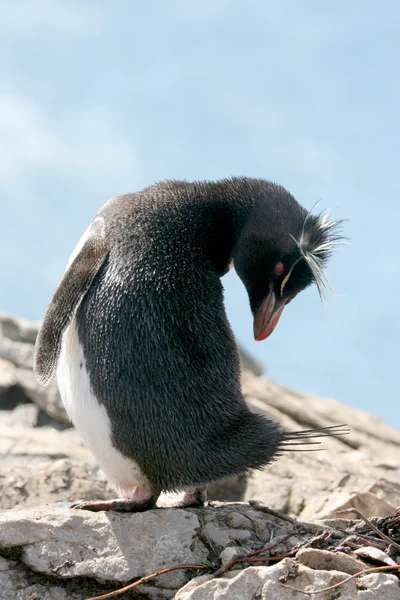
(279, 268)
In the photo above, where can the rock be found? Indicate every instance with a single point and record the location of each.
(7, 375)
(246, 585)
(384, 489)
(47, 398)
(108, 547)
(375, 555)
(54, 553)
(16, 368)
(249, 362)
(17, 329)
(350, 473)
(230, 554)
(220, 536)
(19, 353)
(61, 552)
(231, 490)
(378, 586)
(329, 561)
(17, 582)
(367, 503)
(267, 583)
(10, 394)
(51, 482)
(19, 445)
(25, 415)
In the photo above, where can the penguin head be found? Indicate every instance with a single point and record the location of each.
(282, 250)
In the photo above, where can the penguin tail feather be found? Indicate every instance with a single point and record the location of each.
(309, 437)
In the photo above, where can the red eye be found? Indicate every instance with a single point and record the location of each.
(279, 268)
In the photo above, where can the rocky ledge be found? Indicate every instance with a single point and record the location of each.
(240, 549)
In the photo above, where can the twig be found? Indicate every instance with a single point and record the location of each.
(269, 558)
(121, 591)
(373, 527)
(336, 585)
(250, 557)
(308, 527)
(270, 511)
(271, 546)
(371, 541)
(242, 559)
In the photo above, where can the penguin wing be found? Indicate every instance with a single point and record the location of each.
(66, 300)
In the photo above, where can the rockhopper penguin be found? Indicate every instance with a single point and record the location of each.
(146, 361)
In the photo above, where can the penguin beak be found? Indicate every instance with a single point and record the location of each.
(267, 317)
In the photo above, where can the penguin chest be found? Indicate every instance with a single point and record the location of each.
(90, 416)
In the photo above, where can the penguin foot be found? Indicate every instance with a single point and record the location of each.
(192, 498)
(119, 505)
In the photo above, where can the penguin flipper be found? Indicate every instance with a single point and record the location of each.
(65, 302)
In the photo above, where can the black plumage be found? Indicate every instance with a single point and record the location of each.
(147, 300)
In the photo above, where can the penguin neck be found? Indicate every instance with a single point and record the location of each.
(226, 212)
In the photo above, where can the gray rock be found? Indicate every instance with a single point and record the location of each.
(265, 583)
(10, 393)
(329, 561)
(379, 586)
(375, 555)
(19, 353)
(16, 368)
(108, 547)
(61, 552)
(230, 554)
(47, 398)
(17, 582)
(25, 415)
(220, 536)
(17, 329)
(366, 502)
(350, 473)
(19, 444)
(7, 375)
(15, 585)
(51, 482)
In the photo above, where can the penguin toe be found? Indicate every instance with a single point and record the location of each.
(118, 505)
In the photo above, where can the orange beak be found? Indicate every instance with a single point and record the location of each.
(267, 317)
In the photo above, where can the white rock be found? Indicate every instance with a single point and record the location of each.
(7, 375)
(380, 586)
(265, 583)
(329, 561)
(105, 546)
(231, 553)
(375, 554)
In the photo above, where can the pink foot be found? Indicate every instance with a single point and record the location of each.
(118, 505)
(141, 499)
(190, 498)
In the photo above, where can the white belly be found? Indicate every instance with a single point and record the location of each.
(90, 417)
